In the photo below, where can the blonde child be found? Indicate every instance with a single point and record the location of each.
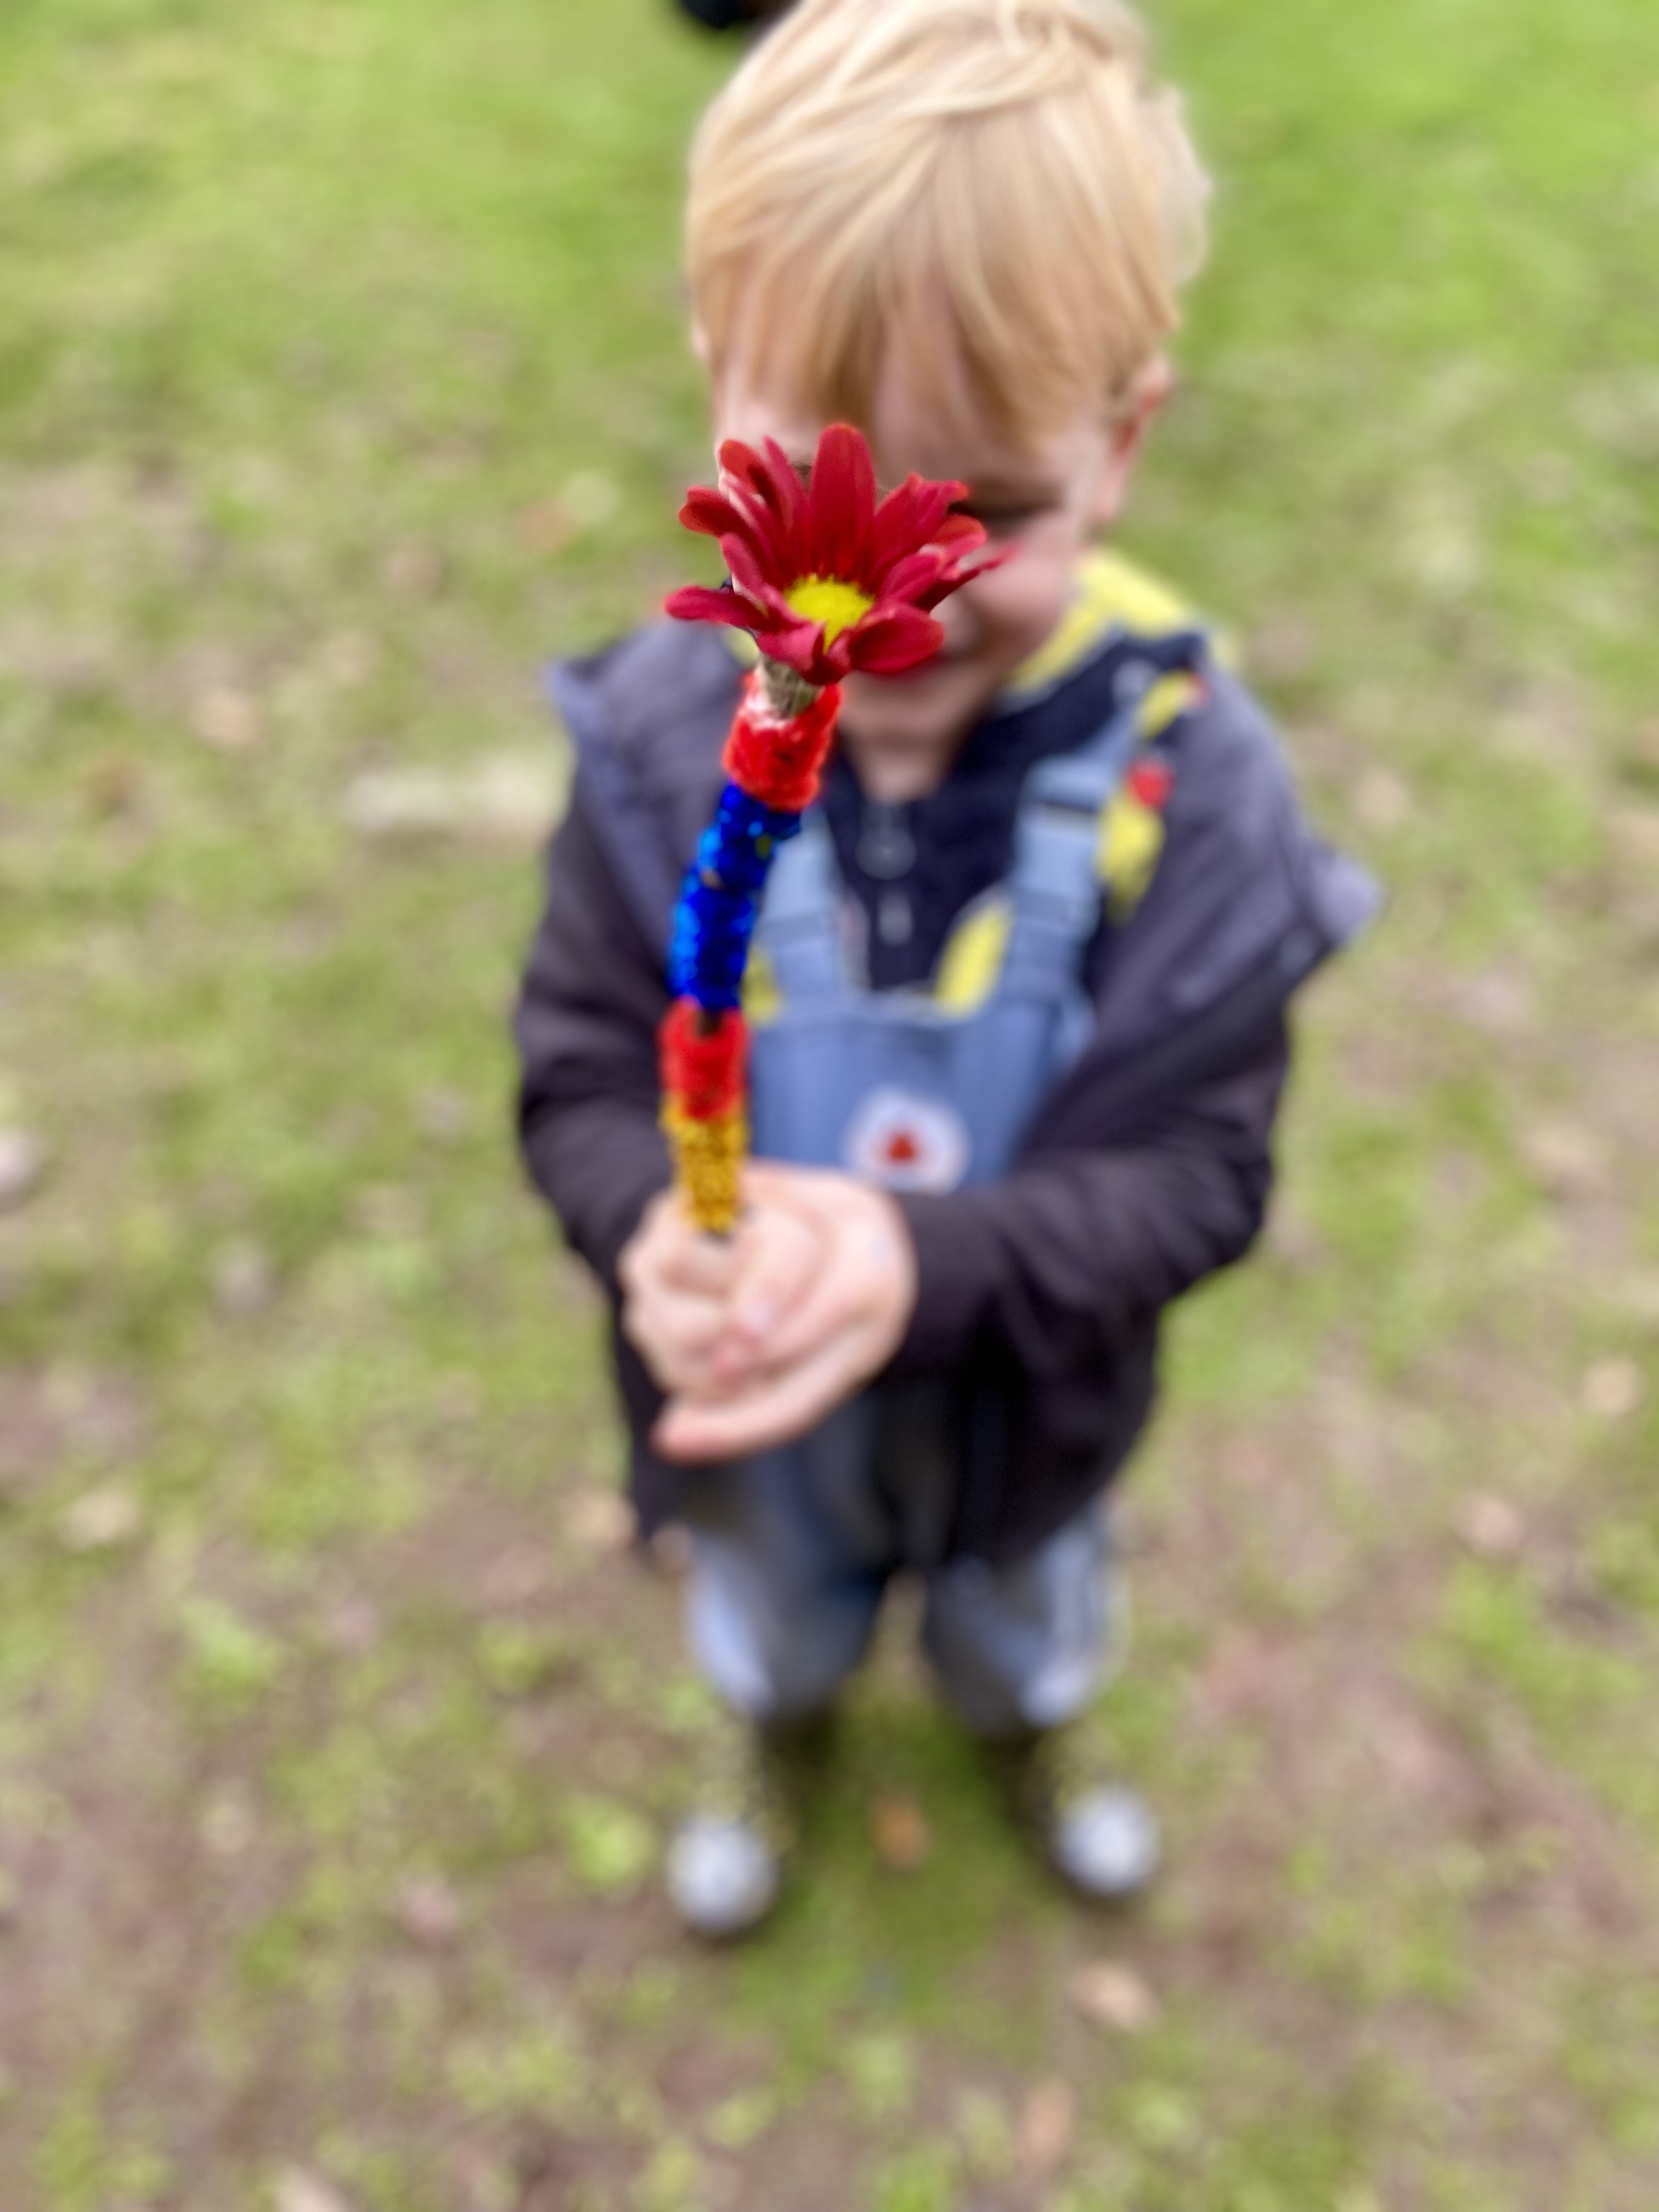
(960, 225)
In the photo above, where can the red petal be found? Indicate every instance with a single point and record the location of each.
(792, 516)
(696, 603)
(842, 505)
(889, 642)
(749, 571)
(767, 489)
(779, 615)
(788, 639)
(754, 529)
(961, 532)
(958, 573)
(908, 579)
(910, 517)
(769, 476)
(709, 512)
(803, 652)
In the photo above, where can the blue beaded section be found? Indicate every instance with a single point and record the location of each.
(738, 844)
(720, 897)
(711, 930)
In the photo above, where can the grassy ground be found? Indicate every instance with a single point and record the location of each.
(341, 380)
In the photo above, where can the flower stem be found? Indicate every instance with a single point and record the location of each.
(788, 693)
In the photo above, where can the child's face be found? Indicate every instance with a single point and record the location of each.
(1041, 507)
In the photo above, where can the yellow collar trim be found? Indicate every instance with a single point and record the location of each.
(1109, 593)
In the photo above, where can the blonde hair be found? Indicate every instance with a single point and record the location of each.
(1008, 162)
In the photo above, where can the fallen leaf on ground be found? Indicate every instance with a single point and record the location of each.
(414, 567)
(1491, 1527)
(228, 1825)
(1048, 2122)
(548, 526)
(1411, 1755)
(353, 1625)
(445, 1116)
(1613, 1389)
(1383, 801)
(21, 1160)
(1282, 649)
(102, 1518)
(899, 1831)
(1240, 1677)
(112, 785)
(1112, 1996)
(600, 1521)
(429, 1911)
(298, 2191)
(1564, 1159)
(513, 1578)
(243, 1281)
(1250, 1461)
(1359, 2198)
(227, 719)
(509, 801)
(1292, 1237)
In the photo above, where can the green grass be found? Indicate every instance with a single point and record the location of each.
(342, 379)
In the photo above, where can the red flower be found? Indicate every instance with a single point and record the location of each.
(823, 578)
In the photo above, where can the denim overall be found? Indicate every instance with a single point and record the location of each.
(824, 1067)
(794, 1548)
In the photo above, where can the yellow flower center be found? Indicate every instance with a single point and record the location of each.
(830, 601)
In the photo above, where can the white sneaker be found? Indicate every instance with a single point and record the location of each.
(726, 1864)
(723, 1876)
(1097, 1835)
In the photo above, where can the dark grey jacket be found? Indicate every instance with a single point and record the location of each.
(1146, 1168)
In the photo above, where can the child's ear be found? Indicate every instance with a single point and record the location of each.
(700, 342)
(1124, 437)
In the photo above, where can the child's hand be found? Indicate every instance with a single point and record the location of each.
(819, 1297)
(693, 1305)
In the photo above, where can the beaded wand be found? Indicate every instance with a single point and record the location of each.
(826, 580)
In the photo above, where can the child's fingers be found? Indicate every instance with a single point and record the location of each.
(827, 1304)
(699, 1263)
(781, 1254)
(865, 1270)
(693, 1324)
(668, 1249)
(675, 1334)
(780, 1407)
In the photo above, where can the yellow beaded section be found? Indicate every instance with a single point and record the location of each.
(709, 1158)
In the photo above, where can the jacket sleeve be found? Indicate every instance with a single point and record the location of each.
(593, 995)
(1084, 1240)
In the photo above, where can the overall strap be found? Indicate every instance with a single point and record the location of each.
(1055, 882)
(799, 924)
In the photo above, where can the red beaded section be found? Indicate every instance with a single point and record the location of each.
(704, 1074)
(779, 762)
